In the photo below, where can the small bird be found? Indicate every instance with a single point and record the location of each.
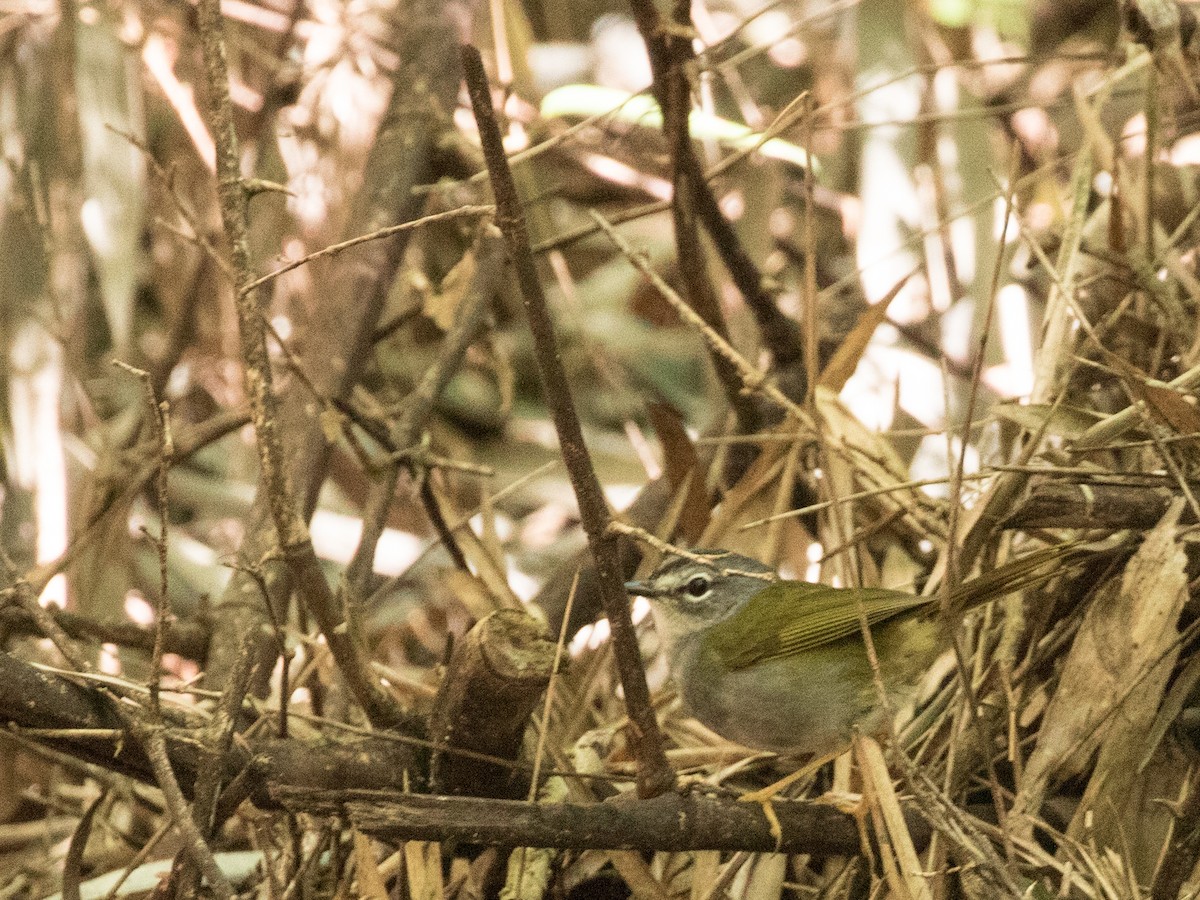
(782, 665)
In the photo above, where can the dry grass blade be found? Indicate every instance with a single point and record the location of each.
(846, 358)
(423, 866)
(912, 881)
(366, 867)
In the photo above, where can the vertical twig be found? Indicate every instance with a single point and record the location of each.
(160, 416)
(153, 742)
(148, 727)
(669, 46)
(654, 772)
(256, 368)
(671, 85)
(381, 708)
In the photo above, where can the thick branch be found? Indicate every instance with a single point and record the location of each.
(493, 682)
(185, 637)
(1058, 502)
(84, 723)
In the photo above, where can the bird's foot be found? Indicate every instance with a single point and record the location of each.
(764, 796)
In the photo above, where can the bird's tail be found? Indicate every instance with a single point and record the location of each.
(1027, 571)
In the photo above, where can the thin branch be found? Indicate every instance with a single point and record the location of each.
(401, 436)
(751, 378)
(187, 637)
(153, 742)
(654, 772)
(380, 233)
(669, 51)
(253, 342)
(380, 706)
(219, 738)
(160, 417)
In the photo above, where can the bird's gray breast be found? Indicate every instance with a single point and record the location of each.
(784, 705)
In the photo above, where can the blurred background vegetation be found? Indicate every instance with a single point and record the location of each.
(863, 151)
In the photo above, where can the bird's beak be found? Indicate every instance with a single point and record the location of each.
(641, 589)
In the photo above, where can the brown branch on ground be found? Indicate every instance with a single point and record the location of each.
(83, 722)
(669, 822)
(654, 772)
(145, 723)
(185, 637)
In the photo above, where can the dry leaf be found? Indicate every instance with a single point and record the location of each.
(878, 460)
(1166, 405)
(423, 866)
(845, 359)
(443, 305)
(1114, 674)
(761, 474)
(909, 878)
(1119, 794)
(683, 470)
(875, 463)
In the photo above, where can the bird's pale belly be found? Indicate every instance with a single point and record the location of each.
(751, 707)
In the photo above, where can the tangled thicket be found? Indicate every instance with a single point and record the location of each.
(310, 399)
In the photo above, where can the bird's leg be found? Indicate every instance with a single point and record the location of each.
(764, 796)
(771, 791)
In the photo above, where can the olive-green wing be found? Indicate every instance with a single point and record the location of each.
(790, 617)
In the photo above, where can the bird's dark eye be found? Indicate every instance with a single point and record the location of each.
(698, 586)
